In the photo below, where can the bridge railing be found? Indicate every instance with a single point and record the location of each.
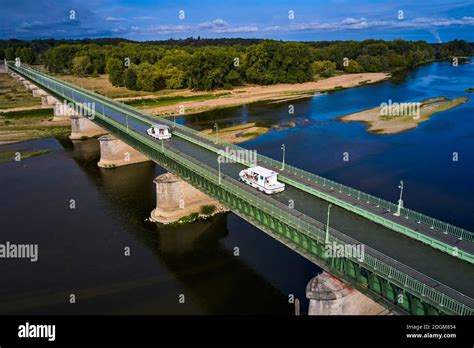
(349, 191)
(310, 177)
(400, 278)
(312, 231)
(375, 265)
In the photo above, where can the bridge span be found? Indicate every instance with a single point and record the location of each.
(413, 263)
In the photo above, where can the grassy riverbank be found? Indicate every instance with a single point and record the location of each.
(13, 94)
(19, 154)
(24, 125)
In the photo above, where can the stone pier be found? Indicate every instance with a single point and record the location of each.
(115, 153)
(83, 128)
(38, 92)
(29, 85)
(63, 112)
(48, 100)
(175, 198)
(329, 296)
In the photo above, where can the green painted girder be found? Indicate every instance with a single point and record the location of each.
(435, 243)
(370, 275)
(420, 218)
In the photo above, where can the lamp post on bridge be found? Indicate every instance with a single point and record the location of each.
(219, 165)
(216, 127)
(326, 240)
(283, 162)
(400, 201)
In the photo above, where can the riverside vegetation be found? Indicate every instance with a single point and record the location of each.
(208, 64)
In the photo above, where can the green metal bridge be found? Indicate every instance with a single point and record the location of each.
(412, 263)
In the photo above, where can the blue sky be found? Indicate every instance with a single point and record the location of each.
(430, 20)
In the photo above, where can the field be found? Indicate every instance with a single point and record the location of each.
(30, 124)
(13, 95)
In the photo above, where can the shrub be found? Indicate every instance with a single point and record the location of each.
(207, 209)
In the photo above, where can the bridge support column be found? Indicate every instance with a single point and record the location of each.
(175, 198)
(63, 112)
(38, 92)
(29, 85)
(329, 296)
(83, 128)
(115, 153)
(48, 100)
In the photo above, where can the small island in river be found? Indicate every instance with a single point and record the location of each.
(393, 118)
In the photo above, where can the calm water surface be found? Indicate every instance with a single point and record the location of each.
(81, 250)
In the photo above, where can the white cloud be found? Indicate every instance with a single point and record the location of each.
(362, 23)
(143, 18)
(215, 24)
(350, 23)
(169, 29)
(244, 29)
(119, 31)
(114, 19)
(221, 26)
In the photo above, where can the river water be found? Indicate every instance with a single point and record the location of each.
(82, 250)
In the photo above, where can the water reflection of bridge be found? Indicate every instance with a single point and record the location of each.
(215, 279)
(433, 279)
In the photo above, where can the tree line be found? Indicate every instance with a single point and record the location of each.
(206, 64)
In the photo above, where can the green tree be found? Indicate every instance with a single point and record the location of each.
(115, 69)
(353, 67)
(278, 62)
(174, 77)
(59, 59)
(175, 57)
(370, 63)
(324, 68)
(27, 55)
(149, 78)
(10, 53)
(130, 79)
(209, 67)
(81, 66)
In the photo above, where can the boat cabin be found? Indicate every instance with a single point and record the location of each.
(159, 131)
(263, 179)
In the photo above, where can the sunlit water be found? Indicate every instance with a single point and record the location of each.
(81, 250)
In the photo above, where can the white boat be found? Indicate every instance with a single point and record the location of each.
(263, 179)
(159, 131)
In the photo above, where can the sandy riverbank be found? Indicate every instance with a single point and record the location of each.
(405, 116)
(19, 130)
(238, 134)
(280, 92)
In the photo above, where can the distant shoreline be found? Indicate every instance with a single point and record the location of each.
(236, 97)
(275, 93)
